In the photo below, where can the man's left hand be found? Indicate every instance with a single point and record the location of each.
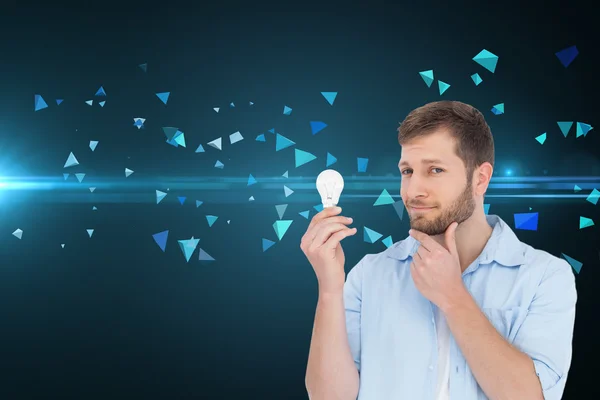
(436, 269)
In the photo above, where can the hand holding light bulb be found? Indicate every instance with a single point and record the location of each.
(321, 242)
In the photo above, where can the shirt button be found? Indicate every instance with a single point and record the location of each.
(457, 369)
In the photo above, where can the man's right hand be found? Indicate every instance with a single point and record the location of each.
(321, 245)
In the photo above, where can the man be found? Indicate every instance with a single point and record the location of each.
(460, 309)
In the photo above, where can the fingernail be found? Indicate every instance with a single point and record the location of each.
(338, 209)
(350, 219)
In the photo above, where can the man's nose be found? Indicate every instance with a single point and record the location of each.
(415, 187)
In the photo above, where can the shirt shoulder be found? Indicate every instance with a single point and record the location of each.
(543, 261)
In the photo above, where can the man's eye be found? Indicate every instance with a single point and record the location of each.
(438, 169)
(406, 170)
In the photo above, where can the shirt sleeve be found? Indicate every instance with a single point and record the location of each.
(547, 332)
(352, 305)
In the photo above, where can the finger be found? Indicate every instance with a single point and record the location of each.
(325, 213)
(325, 232)
(418, 254)
(450, 238)
(312, 231)
(337, 237)
(425, 240)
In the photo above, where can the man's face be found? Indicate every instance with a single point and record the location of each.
(434, 187)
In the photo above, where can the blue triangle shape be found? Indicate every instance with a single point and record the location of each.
(39, 103)
(159, 196)
(566, 56)
(164, 97)
(329, 96)
(204, 256)
(181, 199)
(526, 221)
(266, 244)
(362, 164)
(161, 239)
(330, 159)
(101, 92)
(304, 213)
(317, 126)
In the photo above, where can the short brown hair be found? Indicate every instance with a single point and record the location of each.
(475, 144)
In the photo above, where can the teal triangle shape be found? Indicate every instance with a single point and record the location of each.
(281, 227)
(329, 96)
(383, 199)
(487, 60)
(573, 262)
(388, 241)
(585, 222)
(443, 86)
(370, 236)
(583, 129)
(188, 246)
(281, 142)
(427, 77)
(565, 127)
(542, 138)
(211, 219)
(303, 157)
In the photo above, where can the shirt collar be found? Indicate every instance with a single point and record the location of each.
(502, 247)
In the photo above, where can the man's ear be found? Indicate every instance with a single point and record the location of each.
(483, 175)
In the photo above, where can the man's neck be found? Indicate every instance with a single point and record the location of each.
(471, 237)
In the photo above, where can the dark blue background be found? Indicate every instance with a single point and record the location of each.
(113, 316)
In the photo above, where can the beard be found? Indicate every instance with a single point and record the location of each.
(459, 211)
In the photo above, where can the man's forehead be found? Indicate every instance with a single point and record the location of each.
(437, 147)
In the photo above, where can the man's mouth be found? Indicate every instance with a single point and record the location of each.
(421, 208)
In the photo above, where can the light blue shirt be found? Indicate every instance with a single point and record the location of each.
(528, 295)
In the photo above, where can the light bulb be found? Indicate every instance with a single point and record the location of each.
(330, 185)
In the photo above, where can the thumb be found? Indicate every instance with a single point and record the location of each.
(450, 237)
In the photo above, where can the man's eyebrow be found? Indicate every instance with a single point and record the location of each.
(424, 161)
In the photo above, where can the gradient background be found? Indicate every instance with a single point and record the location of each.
(112, 316)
